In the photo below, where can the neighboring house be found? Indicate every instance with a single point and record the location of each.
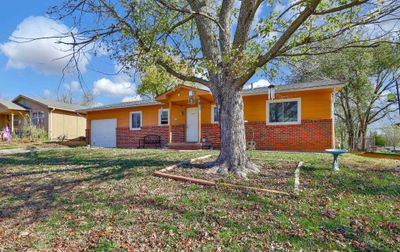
(57, 118)
(299, 118)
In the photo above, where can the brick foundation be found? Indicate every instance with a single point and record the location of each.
(87, 136)
(127, 138)
(310, 135)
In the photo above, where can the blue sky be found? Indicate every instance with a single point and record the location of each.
(22, 74)
(30, 69)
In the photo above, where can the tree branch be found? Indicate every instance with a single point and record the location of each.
(262, 60)
(181, 76)
(340, 8)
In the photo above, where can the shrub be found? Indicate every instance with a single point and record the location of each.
(380, 140)
(34, 133)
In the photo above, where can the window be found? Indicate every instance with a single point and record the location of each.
(283, 111)
(38, 119)
(16, 121)
(214, 114)
(163, 117)
(136, 120)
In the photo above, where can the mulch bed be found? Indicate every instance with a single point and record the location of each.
(378, 155)
(274, 174)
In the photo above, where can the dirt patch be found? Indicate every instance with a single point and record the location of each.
(378, 155)
(274, 174)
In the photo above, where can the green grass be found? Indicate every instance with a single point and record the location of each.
(108, 200)
(4, 146)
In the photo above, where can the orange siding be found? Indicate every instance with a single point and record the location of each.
(315, 104)
(177, 116)
(149, 114)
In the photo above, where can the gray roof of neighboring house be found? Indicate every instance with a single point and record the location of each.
(53, 104)
(320, 84)
(262, 90)
(11, 105)
(124, 105)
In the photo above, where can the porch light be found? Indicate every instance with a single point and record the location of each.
(191, 100)
(271, 92)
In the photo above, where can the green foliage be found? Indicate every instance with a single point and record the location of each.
(380, 140)
(391, 134)
(156, 81)
(34, 133)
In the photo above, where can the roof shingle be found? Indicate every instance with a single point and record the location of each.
(11, 105)
(53, 104)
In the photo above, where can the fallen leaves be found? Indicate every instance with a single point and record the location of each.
(96, 200)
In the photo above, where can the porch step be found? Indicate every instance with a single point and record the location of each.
(188, 146)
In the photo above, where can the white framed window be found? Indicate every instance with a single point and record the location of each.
(163, 117)
(284, 111)
(214, 114)
(136, 120)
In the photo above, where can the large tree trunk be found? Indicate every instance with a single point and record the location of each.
(233, 157)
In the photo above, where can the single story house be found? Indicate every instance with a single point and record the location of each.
(57, 118)
(300, 118)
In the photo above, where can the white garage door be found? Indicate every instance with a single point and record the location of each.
(103, 133)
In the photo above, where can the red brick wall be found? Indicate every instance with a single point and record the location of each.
(87, 134)
(127, 138)
(310, 135)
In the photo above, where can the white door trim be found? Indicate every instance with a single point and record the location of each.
(192, 124)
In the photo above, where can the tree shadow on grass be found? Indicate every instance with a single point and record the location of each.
(32, 195)
(374, 181)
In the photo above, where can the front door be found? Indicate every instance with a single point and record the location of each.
(192, 125)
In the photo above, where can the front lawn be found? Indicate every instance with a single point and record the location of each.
(105, 199)
(26, 144)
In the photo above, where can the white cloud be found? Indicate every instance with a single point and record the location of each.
(259, 83)
(113, 88)
(48, 94)
(43, 55)
(97, 104)
(131, 98)
(75, 86)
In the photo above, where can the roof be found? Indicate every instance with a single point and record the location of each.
(131, 104)
(11, 105)
(320, 84)
(185, 86)
(53, 104)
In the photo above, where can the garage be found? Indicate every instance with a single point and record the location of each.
(103, 133)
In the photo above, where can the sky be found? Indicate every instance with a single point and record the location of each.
(35, 68)
(32, 68)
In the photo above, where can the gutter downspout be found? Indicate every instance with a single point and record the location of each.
(51, 123)
(333, 99)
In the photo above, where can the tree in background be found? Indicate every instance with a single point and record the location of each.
(225, 43)
(87, 99)
(379, 140)
(391, 134)
(370, 75)
(66, 96)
